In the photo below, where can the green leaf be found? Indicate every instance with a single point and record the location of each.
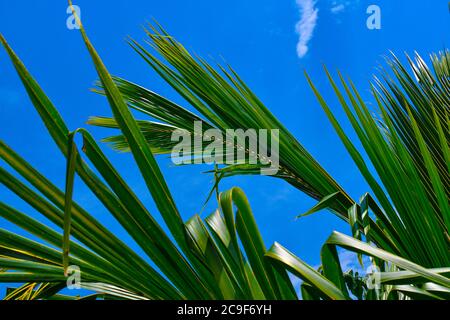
(70, 175)
(305, 272)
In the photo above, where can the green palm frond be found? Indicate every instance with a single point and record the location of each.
(224, 102)
(407, 144)
(34, 291)
(224, 256)
(408, 147)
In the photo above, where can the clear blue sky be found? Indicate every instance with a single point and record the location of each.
(258, 39)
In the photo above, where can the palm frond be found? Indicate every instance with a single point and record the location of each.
(224, 102)
(224, 255)
(407, 147)
(193, 275)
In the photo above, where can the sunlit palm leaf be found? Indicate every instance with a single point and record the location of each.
(224, 102)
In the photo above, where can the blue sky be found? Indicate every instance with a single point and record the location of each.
(269, 43)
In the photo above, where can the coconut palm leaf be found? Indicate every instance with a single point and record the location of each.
(407, 147)
(192, 275)
(224, 255)
(224, 102)
(408, 144)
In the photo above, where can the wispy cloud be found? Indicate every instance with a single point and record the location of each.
(338, 8)
(349, 260)
(305, 27)
(282, 194)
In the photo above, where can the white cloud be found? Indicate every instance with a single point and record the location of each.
(337, 8)
(305, 27)
(349, 260)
